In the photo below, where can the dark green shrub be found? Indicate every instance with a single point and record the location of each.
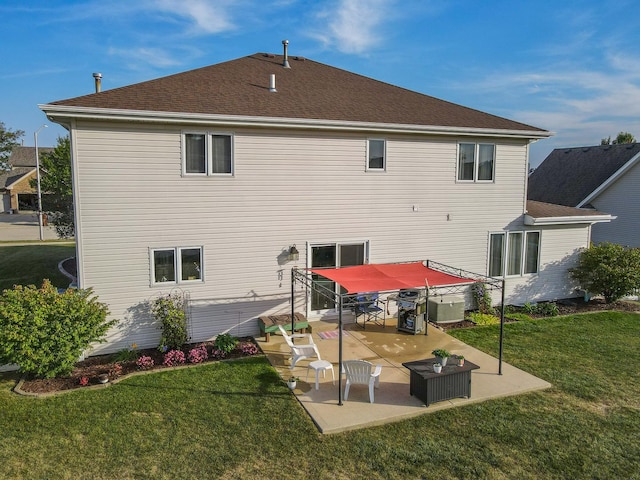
(169, 311)
(610, 270)
(46, 332)
(225, 342)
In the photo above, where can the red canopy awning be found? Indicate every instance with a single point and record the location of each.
(388, 276)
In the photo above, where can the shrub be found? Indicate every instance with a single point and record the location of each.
(218, 354)
(610, 270)
(483, 319)
(546, 309)
(248, 348)
(173, 358)
(482, 296)
(198, 354)
(145, 362)
(45, 332)
(84, 381)
(169, 311)
(126, 354)
(225, 342)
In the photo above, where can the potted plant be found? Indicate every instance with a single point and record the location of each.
(460, 361)
(292, 382)
(437, 367)
(441, 355)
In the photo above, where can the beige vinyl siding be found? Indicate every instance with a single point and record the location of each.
(559, 250)
(621, 199)
(294, 188)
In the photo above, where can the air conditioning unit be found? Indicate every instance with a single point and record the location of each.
(446, 309)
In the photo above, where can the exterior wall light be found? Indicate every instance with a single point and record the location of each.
(294, 254)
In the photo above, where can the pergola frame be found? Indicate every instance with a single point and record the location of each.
(304, 277)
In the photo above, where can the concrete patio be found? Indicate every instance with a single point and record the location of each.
(389, 348)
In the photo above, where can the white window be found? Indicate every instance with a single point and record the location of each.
(176, 265)
(476, 162)
(205, 153)
(376, 154)
(519, 252)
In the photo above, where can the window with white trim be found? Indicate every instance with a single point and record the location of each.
(476, 162)
(517, 252)
(206, 153)
(376, 154)
(176, 265)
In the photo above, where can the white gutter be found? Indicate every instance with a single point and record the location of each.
(621, 171)
(569, 220)
(65, 112)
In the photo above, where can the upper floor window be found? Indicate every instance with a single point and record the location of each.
(376, 154)
(176, 265)
(516, 252)
(476, 162)
(207, 154)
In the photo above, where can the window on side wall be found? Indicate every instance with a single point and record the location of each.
(476, 162)
(176, 265)
(376, 154)
(207, 153)
(516, 252)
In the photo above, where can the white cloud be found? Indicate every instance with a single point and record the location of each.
(206, 17)
(148, 56)
(353, 26)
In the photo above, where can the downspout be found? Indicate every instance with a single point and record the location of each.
(293, 300)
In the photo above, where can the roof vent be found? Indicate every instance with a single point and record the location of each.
(285, 61)
(272, 83)
(98, 80)
(300, 59)
(268, 55)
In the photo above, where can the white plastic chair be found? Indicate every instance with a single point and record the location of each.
(361, 372)
(300, 350)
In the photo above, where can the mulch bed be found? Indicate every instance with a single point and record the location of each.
(94, 366)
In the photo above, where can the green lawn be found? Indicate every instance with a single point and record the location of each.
(30, 264)
(237, 420)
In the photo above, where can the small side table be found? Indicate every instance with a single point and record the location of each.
(321, 365)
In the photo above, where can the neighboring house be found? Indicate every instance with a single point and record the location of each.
(604, 177)
(15, 184)
(201, 182)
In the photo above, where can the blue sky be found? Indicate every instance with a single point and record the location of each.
(571, 67)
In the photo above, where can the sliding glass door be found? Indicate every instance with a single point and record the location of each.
(332, 255)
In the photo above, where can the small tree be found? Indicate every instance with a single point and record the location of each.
(610, 270)
(169, 311)
(55, 182)
(45, 332)
(8, 140)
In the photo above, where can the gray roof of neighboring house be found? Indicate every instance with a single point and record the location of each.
(26, 156)
(14, 175)
(569, 175)
(308, 90)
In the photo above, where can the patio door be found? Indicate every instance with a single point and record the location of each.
(332, 255)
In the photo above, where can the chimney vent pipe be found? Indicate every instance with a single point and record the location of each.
(98, 79)
(272, 83)
(285, 62)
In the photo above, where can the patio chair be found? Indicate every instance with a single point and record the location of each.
(366, 306)
(300, 350)
(361, 372)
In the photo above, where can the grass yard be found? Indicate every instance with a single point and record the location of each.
(237, 420)
(30, 264)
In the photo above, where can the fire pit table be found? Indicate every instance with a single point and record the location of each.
(430, 387)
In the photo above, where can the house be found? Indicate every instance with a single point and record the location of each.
(604, 177)
(204, 182)
(15, 184)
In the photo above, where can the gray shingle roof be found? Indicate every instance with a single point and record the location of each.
(547, 210)
(12, 176)
(568, 175)
(308, 90)
(26, 156)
